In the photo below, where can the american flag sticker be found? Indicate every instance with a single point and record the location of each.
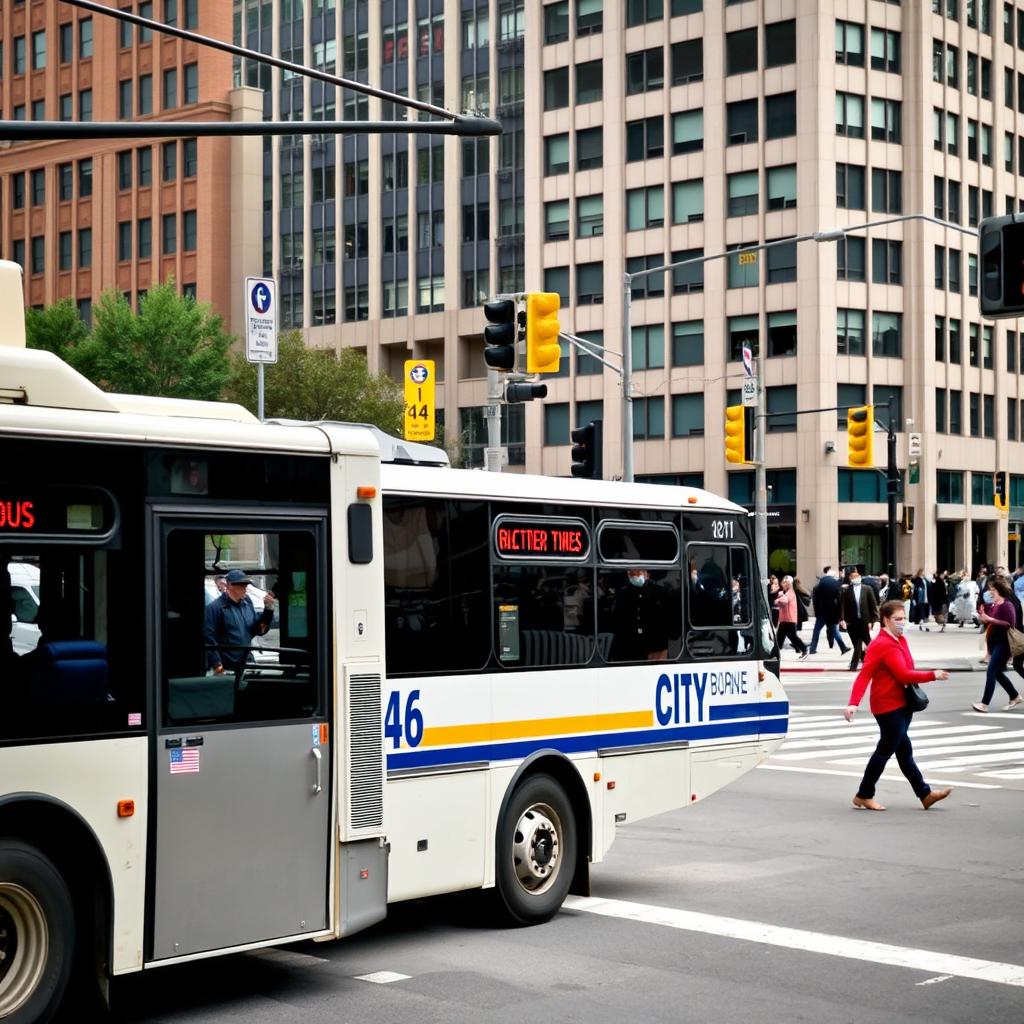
(184, 760)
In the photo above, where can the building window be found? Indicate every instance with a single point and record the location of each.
(850, 115)
(124, 102)
(589, 216)
(556, 26)
(648, 417)
(885, 120)
(648, 347)
(588, 82)
(556, 423)
(85, 178)
(169, 234)
(648, 285)
(780, 115)
(886, 335)
(38, 254)
(645, 208)
(742, 194)
(782, 187)
(780, 43)
(849, 396)
(67, 111)
(19, 59)
(639, 12)
(744, 332)
(85, 105)
(189, 230)
(688, 201)
(690, 278)
(781, 400)
(556, 220)
(170, 88)
(589, 17)
(886, 191)
(885, 50)
(556, 154)
(38, 187)
(124, 241)
(64, 250)
(688, 343)
(741, 122)
(688, 415)
(645, 70)
(38, 50)
(954, 270)
(688, 131)
(65, 182)
(169, 161)
(66, 36)
(84, 248)
(940, 410)
(124, 170)
(850, 187)
(949, 487)
(851, 258)
(145, 94)
(850, 44)
(782, 333)
(556, 88)
(144, 236)
(850, 332)
(191, 94)
(589, 284)
(881, 394)
(688, 61)
(742, 268)
(645, 139)
(886, 261)
(982, 489)
(589, 148)
(741, 51)
(781, 263)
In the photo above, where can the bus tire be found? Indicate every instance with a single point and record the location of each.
(37, 935)
(536, 851)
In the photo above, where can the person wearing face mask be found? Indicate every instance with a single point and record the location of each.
(640, 621)
(889, 668)
(858, 612)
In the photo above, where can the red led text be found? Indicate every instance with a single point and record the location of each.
(17, 515)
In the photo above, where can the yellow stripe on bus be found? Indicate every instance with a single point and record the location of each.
(482, 732)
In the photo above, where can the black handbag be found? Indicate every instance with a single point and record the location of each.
(915, 698)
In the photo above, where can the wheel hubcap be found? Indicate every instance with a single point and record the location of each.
(24, 942)
(536, 848)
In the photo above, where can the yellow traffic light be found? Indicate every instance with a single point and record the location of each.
(735, 434)
(860, 437)
(543, 351)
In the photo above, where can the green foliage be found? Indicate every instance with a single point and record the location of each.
(317, 384)
(174, 347)
(57, 328)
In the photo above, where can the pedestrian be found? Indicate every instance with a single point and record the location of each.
(858, 612)
(803, 603)
(937, 599)
(231, 624)
(825, 600)
(889, 668)
(786, 605)
(920, 610)
(883, 587)
(773, 592)
(1018, 583)
(999, 617)
(966, 600)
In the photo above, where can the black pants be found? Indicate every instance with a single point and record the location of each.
(787, 631)
(893, 726)
(860, 637)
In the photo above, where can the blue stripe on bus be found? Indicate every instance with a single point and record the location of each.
(578, 744)
(765, 709)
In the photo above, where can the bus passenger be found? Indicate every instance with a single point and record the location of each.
(231, 622)
(640, 620)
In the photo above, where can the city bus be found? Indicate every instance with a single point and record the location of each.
(454, 689)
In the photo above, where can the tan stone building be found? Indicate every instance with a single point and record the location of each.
(635, 133)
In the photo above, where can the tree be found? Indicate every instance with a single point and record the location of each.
(317, 384)
(57, 328)
(174, 347)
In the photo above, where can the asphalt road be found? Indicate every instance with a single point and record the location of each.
(773, 901)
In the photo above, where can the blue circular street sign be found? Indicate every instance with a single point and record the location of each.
(260, 298)
(418, 374)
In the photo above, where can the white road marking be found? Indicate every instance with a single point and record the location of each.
(810, 942)
(865, 744)
(935, 981)
(1014, 754)
(970, 755)
(887, 777)
(382, 977)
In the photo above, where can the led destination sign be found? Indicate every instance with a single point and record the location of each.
(541, 538)
(40, 511)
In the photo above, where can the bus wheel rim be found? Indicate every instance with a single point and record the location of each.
(537, 848)
(24, 944)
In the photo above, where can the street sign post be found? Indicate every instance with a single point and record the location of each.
(419, 400)
(749, 398)
(260, 328)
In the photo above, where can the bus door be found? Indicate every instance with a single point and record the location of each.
(241, 763)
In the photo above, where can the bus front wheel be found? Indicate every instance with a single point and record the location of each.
(37, 932)
(536, 850)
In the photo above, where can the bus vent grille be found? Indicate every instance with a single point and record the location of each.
(365, 752)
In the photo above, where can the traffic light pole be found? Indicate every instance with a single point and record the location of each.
(627, 379)
(761, 474)
(892, 485)
(492, 415)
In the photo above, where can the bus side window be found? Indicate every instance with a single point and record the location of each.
(721, 601)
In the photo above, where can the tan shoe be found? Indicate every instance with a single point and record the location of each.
(934, 797)
(869, 804)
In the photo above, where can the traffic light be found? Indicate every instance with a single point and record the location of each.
(736, 441)
(1001, 242)
(542, 349)
(586, 450)
(860, 437)
(500, 334)
(999, 495)
(523, 391)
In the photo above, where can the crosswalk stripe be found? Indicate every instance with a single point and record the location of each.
(966, 755)
(1014, 753)
(856, 744)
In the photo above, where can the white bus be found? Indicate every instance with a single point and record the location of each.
(468, 683)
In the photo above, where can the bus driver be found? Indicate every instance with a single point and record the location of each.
(232, 622)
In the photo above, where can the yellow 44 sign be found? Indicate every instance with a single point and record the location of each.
(419, 400)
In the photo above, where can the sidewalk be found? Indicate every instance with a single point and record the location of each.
(956, 650)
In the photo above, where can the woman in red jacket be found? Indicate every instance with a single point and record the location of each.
(889, 668)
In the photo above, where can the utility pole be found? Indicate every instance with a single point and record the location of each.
(892, 484)
(627, 380)
(760, 472)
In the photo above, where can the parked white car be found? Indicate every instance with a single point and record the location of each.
(25, 595)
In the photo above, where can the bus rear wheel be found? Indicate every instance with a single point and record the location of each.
(37, 932)
(536, 850)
